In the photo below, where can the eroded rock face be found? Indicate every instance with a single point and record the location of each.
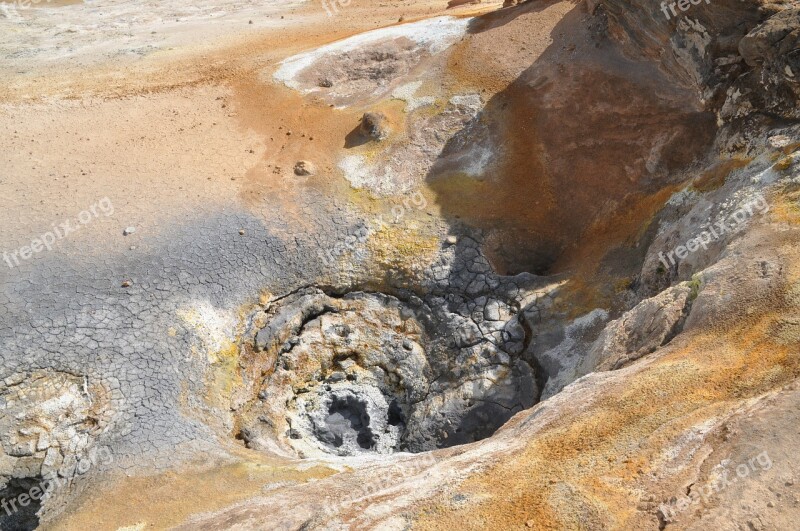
(742, 56)
(592, 343)
(772, 49)
(371, 373)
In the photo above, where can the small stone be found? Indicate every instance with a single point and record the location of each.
(451, 240)
(127, 284)
(241, 232)
(304, 168)
(347, 364)
(407, 344)
(530, 523)
(128, 231)
(325, 83)
(492, 311)
(770, 504)
(249, 21)
(374, 125)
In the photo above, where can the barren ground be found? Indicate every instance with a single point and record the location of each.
(532, 170)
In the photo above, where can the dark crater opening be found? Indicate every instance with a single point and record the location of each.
(347, 419)
(19, 507)
(396, 417)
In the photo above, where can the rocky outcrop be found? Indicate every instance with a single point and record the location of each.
(772, 51)
(740, 56)
(642, 330)
(374, 126)
(591, 343)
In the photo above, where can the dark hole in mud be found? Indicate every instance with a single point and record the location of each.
(396, 417)
(511, 255)
(14, 515)
(346, 414)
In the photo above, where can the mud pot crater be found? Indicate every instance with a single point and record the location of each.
(362, 373)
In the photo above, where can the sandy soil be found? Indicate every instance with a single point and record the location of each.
(101, 122)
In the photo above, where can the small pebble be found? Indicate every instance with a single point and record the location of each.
(128, 231)
(304, 168)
